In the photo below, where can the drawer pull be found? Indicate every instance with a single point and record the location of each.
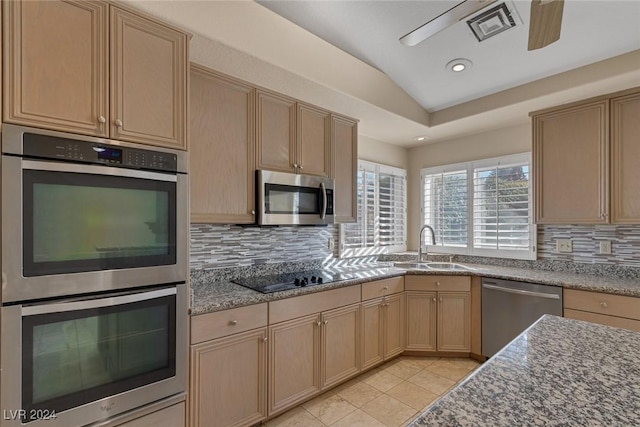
(265, 339)
(437, 283)
(603, 304)
(386, 288)
(233, 322)
(434, 299)
(318, 323)
(325, 322)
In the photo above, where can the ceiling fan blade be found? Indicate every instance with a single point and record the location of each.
(445, 20)
(545, 23)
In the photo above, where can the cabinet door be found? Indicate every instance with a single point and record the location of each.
(55, 73)
(571, 164)
(393, 325)
(340, 344)
(344, 149)
(625, 152)
(221, 149)
(276, 132)
(149, 68)
(294, 362)
(372, 333)
(313, 147)
(454, 321)
(228, 375)
(421, 320)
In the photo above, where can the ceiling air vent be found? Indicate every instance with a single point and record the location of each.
(491, 22)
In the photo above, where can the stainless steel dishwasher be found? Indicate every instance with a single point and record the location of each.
(509, 307)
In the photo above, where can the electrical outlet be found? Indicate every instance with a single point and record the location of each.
(605, 247)
(331, 244)
(564, 245)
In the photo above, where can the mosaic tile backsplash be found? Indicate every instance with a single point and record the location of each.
(625, 243)
(223, 246)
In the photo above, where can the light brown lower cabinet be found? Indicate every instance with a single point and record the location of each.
(619, 311)
(228, 380)
(438, 313)
(312, 353)
(382, 329)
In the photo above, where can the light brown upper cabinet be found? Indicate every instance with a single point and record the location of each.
(64, 77)
(571, 164)
(291, 136)
(625, 156)
(314, 146)
(344, 146)
(221, 148)
(148, 81)
(276, 132)
(584, 161)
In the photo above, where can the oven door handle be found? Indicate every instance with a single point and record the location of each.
(324, 201)
(97, 170)
(84, 304)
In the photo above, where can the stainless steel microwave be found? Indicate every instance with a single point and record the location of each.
(293, 199)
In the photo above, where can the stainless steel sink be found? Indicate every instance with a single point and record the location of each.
(438, 266)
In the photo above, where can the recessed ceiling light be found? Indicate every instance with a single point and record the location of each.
(420, 138)
(459, 65)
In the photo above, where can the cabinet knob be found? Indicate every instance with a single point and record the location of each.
(233, 322)
(437, 283)
(101, 119)
(318, 323)
(265, 339)
(325, 322)
(118, 123)
(603, 304)
(434, 299)
(295, 165)
(253, 212)
(300, 167)
(440, 299)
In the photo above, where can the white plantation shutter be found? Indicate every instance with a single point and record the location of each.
(381, 205)
(481, 208)
(445, 196)
(501, 207)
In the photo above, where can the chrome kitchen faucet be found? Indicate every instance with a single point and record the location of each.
(433, 241)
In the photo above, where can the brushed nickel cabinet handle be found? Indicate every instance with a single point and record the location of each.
(119, 123)
(101, 119)
(318, 323)
(233, 322)
(265, 339)
(325, 322)
(603, 304)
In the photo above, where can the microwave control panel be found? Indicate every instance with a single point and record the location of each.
(54, 148)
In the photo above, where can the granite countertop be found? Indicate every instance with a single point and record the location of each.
(558, 372)
(208, 295)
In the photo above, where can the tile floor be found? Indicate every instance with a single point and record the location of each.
(392, 394)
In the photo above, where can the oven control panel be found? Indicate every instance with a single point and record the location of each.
(50, 147)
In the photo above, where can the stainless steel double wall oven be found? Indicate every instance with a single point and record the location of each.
(94, 269)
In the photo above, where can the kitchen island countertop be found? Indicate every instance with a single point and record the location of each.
(558, 372)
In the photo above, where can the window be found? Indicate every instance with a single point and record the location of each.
(382, 213)
(481, 208)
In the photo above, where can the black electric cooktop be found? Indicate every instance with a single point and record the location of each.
(285, 281)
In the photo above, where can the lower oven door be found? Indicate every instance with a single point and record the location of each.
(75, 362)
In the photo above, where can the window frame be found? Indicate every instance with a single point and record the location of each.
(376, 168)
(470, 167)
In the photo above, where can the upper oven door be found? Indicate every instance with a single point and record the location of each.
(72, 228)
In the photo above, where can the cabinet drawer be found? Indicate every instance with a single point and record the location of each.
(381, 288)
(618, 322)
(595, 302)
(173, 416)
(221, 323)
(290, 308)
(438, 283)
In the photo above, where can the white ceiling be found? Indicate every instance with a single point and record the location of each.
(369, 30)
(245, 39)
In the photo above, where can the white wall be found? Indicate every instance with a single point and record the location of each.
(500, 142)
(380, 152)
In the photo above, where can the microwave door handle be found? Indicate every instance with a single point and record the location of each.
(324, 201)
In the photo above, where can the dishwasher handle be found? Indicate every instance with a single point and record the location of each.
(521, 292)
